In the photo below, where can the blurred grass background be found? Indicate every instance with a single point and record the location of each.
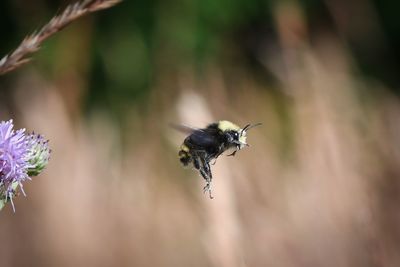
(319, 186)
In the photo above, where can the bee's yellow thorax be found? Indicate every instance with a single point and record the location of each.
(227, 126)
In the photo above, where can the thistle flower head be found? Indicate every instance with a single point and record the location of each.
(38, 153)
(13, 149)
(21, 156)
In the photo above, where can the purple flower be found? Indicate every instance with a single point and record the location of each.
(21, 156)
(13, 164)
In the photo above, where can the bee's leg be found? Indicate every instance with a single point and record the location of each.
(207, 187)
(207, 171)
(237, 148)
(206, 176)
(233, 153)
(201, 164)
(196, 162)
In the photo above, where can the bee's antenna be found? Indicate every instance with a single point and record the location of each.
(249, 126)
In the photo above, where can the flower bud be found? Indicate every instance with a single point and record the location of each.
(38, 154)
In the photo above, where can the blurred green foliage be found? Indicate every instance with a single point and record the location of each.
(132, 43)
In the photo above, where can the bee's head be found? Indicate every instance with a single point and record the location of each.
(235, 135)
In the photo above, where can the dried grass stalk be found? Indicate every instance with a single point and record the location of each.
(32, 43)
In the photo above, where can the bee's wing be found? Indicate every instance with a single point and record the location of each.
(183, 128)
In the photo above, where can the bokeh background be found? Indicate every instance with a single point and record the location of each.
(319, 186)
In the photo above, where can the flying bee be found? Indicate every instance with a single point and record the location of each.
(204, 145)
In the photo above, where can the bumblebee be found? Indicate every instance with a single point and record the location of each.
(204, 145)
